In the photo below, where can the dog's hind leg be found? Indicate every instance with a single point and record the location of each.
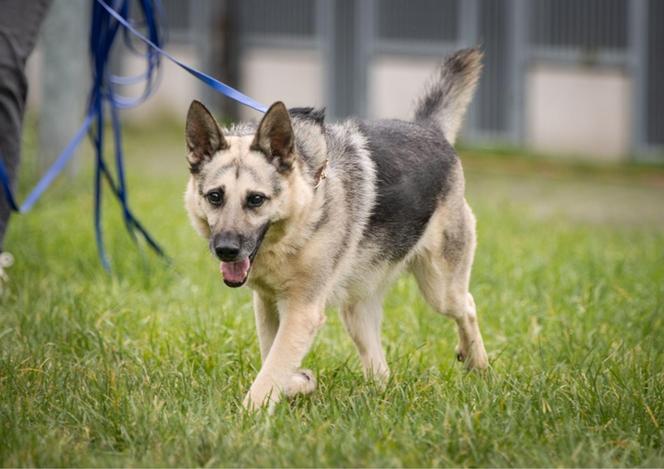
(363, 320)
(442, 271)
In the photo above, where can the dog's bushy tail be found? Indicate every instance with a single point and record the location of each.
(450, 90)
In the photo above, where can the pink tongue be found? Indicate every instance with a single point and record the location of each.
(235, 272)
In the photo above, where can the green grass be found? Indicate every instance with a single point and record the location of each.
(148, 367)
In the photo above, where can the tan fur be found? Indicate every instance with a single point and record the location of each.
(285, 274)
(293, 277)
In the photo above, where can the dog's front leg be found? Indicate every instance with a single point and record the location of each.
(279, 375)
(267, 322)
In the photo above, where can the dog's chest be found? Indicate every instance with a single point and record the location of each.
(271, 273)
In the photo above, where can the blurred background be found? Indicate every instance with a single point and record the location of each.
(580, 78)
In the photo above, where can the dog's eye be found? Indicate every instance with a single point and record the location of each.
(215, 197)
(255, 200)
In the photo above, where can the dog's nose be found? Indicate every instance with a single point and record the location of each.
(227, 246)
(227, 253)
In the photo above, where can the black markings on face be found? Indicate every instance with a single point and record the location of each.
(239, 168)
(251, 199)
(225, 168)
(252, 172)
(276, 184)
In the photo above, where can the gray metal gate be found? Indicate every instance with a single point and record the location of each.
(628, 34)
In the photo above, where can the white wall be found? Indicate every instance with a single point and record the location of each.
(175, 90)
(578, 111)
(295, 77)
(569, 109)
(395, 82)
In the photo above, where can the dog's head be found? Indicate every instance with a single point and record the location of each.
(241, 184)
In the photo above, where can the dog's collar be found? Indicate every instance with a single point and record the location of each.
(321, 175)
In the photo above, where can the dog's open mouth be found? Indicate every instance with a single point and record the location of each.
(235, 273)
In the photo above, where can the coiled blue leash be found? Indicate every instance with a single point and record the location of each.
(103, 98)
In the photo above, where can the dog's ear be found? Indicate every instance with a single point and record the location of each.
(203, 135)
(275, 137)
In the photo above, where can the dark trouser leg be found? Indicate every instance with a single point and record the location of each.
(12, 104)
(19, 25)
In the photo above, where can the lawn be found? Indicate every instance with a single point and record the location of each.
(148, 367)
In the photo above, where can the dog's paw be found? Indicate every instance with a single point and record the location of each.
(378, 375)
(301, 382)
(253, 403)
(263, 394)
(473, 357)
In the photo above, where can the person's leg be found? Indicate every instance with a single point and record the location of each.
(12, 103)
(19, 25)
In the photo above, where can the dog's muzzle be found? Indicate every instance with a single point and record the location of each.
(231, 249)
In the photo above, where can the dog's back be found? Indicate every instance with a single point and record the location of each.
(414, 171)
(418, 217)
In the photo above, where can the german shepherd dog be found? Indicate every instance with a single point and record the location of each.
(311, 215)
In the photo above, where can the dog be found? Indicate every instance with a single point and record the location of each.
(311, 215)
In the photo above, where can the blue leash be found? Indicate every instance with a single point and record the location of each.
(207, 79)
(103, 99)
(50, 175)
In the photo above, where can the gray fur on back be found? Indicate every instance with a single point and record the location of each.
(414, 170)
